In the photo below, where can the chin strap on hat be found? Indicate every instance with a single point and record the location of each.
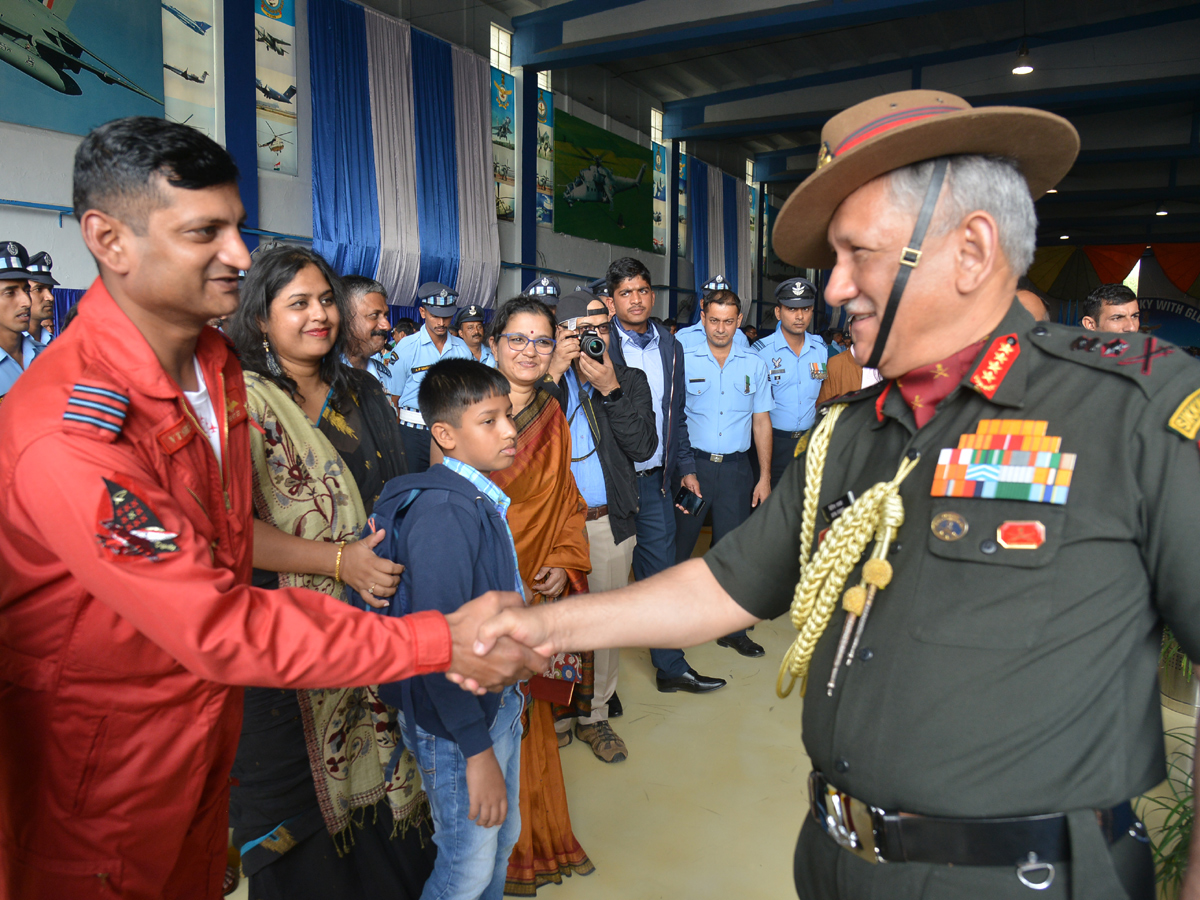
(909, 258)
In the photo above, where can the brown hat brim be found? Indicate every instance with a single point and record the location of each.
(1044, 146)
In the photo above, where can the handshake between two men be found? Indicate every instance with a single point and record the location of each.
(498, 640)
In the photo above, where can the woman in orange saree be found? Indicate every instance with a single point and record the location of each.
(547, 520)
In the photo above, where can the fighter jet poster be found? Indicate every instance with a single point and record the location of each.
(75, 64)
(275, 85)
(545, 159)
(504, 163)
(603, 185)
(189, 63)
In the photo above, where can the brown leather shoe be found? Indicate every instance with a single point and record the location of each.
(564, 739)
(605, 743)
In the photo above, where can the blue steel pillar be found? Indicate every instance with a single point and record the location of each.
(527, 146)
(240, 118)
(673, 228)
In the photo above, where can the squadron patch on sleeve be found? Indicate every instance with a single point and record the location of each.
(1186, 418)
(127, 527)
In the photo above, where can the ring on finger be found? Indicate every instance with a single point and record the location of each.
(371, 589)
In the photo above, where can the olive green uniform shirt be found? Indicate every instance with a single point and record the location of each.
(993, 681)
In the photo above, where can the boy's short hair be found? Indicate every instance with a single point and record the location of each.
(453, 385)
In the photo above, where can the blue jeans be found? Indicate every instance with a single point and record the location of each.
(472, 862)
(654, 552)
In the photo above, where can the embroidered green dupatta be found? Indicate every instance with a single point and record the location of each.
(303, 488)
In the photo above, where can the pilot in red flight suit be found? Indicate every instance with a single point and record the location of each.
(126, 615)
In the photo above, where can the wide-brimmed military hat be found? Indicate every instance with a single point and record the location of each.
(896, 130)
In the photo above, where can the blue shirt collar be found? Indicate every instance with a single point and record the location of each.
(485, 485)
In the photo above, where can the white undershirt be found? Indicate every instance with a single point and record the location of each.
(203, 408)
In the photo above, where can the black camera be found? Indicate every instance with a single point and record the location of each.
(591, 344)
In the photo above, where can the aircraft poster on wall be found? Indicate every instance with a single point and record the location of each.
(545, 159)
(660, 198)
(189, 63)
(681, 246)
(603, 185)
(75, 64)
(275, 85)
(504, 160)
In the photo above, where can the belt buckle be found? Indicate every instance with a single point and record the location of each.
(716, 457)
(852, 824)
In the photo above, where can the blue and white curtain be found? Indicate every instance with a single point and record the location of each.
(402, 155)
(719, 211)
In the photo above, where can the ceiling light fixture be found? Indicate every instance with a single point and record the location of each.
(1052, 191)
(1024, 66)
(1162, 210)
(1063, 237)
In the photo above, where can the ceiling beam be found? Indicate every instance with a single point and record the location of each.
(538, 37)
(681, 117)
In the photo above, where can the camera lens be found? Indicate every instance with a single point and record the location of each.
(591, 345)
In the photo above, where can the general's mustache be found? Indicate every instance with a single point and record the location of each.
(381, 332)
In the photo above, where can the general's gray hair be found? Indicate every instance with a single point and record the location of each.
(360, 285)
(992, 184)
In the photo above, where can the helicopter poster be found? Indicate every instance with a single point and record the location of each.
(189, 61)
(603, 185)
(75, 64)
(504, 162)
(275, 85)
(681, 246)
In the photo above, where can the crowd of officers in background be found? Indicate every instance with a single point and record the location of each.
(728, 404)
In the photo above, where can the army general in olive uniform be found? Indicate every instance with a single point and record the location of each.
(1013, 518)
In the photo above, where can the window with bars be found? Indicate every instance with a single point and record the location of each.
(656, 126)
(544, 81)
(501, 46)
(750, 171)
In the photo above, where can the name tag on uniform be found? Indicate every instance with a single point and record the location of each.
(817, 371)
(697, 380)
(416, 369)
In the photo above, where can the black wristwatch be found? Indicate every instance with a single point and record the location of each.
(614, 395)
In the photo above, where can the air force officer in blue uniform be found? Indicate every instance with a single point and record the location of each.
(795, 362)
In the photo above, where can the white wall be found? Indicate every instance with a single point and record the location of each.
(37, 169)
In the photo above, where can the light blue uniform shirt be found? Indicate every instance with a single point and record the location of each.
(795, 379)
(722, 399)
(485, 355)
(412, 357)
(11, 370)
(648, 358)
(694, 336)
(585, 462)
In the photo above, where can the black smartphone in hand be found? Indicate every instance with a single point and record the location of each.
(692, 505)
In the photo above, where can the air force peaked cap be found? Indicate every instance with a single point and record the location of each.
(796, 293)
(545, 289)
(466, 314)
(39, 267)
(14, 262)
(437, 298)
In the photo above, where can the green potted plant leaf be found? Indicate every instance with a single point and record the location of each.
(1169, 813)
(1180, 691)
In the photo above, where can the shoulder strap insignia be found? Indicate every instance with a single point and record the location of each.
(1186, 418)
(989, 374)
(1142, 358)
(95, 411)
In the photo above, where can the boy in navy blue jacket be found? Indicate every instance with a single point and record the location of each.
(454, 541)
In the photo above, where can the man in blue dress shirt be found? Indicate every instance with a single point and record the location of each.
(795, 362)
(694, 335)
(17, 349)
(468, 324)
(413, 357)
(728, 400)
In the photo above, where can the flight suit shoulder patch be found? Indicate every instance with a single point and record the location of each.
(1142, 358)
(95, 409)
(1185, 420)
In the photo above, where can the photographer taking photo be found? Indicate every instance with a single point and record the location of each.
(611, 414)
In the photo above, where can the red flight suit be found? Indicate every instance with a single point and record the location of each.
(126, 618)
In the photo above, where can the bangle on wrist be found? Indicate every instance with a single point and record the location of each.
(337, 566)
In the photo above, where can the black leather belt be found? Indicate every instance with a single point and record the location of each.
(1031, 842)
(717, 457)
(647, 473)
(794, 435)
